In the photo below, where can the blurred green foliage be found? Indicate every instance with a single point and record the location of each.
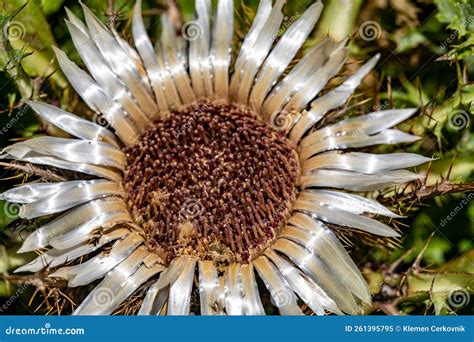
(427, 62)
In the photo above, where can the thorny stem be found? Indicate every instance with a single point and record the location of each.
(416, 265)
(422, 192)
(389, 308)
(401, 287)
(36, 280)
(33, 170)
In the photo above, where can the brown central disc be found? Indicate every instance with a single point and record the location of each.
(211, 181)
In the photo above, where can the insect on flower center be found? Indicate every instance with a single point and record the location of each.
(212, 181)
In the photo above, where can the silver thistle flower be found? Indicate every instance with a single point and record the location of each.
(206, 177)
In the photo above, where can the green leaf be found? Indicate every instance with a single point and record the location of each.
(51, 6)
(459, 14)
(27, 38)
(410, 41)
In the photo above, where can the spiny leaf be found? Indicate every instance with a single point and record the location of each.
(459, 14)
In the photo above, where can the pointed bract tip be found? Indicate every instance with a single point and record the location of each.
(73, 27)
(69, 13)
(411, 111)
(391, 233)
(23, 249)
(57, 50)
(24, 268)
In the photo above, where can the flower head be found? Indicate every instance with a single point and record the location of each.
(209, 174)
